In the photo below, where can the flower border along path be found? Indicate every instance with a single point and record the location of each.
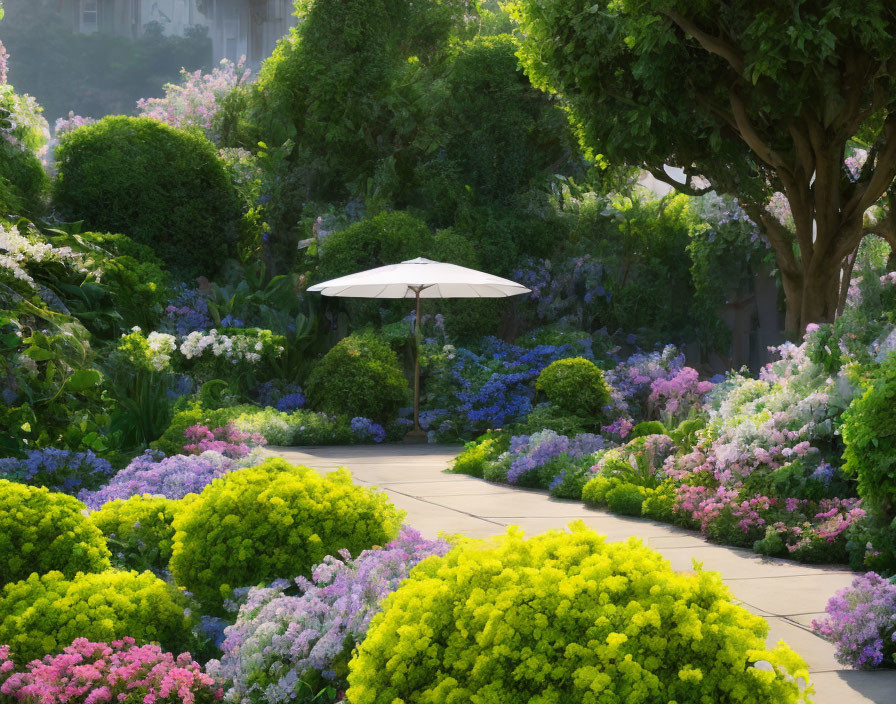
(787, 594)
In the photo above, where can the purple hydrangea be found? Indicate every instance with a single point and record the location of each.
(279, 637)
(173, 477)
(862, 622)
(187, 312)
(529, 452)
(58, 470)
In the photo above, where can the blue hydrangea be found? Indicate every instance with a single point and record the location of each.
(366, 430)
(59, 470)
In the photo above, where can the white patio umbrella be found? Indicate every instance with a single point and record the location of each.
(420, 278)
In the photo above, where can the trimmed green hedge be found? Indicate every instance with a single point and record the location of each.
(163, 187)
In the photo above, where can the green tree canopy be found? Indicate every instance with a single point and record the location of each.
(755, 97)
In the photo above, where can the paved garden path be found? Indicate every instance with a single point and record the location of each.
(788, 594)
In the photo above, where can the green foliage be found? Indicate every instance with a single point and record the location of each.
(297, 428)
(499, 135)
(276, 519)
(573, 479)
(685, 435)
(642, 79)
(870, 445)
(23, 181)
(327, 86)
(550, 417)
(42, 531)
(163, 187)
(93, 74)
(576, 386)
(642, 246)
(388, 238)
(648, 427)
(566, 618)
(46, 358)
(139, 530)
(360, 376)
(626, 499)
(478, 454)
(44, 613)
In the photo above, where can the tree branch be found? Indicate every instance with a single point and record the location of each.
(714, 45)
(687, 187)
(749, 134)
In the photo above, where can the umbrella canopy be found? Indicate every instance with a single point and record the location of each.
(420, 278)
(431, 279)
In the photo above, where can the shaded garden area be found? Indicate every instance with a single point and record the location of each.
(156, 334)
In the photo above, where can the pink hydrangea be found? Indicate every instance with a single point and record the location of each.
(92, 673)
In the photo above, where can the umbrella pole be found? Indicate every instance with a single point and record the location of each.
(417, 366)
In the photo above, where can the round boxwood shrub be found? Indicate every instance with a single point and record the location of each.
(566, 618)
(626, 499)
(139, 530)
(270, 521)
(163, 187)
(575, 385)
(43, 614)
(648, 427)
(359, 376)
(388, 238)
(41, 531)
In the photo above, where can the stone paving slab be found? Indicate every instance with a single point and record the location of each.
(787, 594)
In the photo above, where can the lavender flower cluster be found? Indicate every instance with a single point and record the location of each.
(58, 470)
(188, 311)
(862, 622)
(529, 452)
(172, 477)
(280, 640)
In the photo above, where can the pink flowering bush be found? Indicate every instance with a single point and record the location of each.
(674, 397)
(120, 671)
(228, 440)
(197, 101)
(70, 123)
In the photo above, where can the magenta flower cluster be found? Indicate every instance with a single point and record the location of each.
(121, 671)
(862, 622)
(674, 396)
(227, 440)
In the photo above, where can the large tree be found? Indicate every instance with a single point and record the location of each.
(755, 97)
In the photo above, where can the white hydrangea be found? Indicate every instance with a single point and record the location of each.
(234, 348)
(17, 250)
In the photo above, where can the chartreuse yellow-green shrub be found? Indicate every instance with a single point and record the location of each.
(567, 617)
(41, 530)
(45, 613)
(478, 454)
(139, 530)
(275, 520)
(576, 386)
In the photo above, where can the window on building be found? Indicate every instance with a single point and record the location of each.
(89, 15)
